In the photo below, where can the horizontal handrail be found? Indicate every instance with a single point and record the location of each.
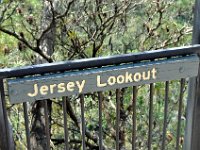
(97, 62)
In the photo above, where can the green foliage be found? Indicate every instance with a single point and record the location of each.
(91, 31)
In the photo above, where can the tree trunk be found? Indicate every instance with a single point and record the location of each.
(39, 140)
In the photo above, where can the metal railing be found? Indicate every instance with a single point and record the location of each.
(97, 136)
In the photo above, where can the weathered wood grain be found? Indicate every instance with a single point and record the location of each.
(51, 86)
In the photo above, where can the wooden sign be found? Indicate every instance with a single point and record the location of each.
(100, 79)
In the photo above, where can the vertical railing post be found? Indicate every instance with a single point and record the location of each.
(6, 139)
(192, 133)
(3, 135)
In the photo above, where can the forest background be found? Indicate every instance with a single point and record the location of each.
(40, 31)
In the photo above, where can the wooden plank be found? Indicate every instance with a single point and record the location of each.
(192, 132)
(101, 79)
